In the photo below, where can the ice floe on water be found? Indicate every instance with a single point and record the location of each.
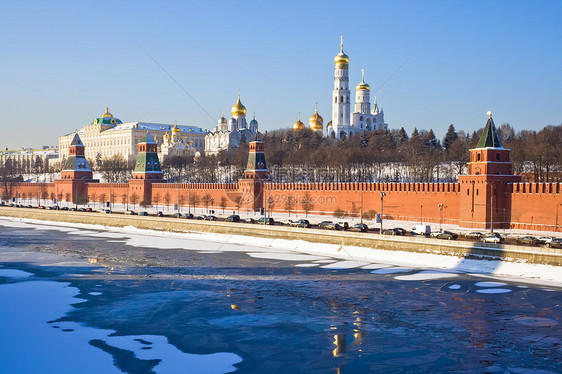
(454, 287)
(29, 326)
(391, 270)
(94, 293)
(426, 275)
(494, 290)
(337, 256)
(490, 284)
(14, 273)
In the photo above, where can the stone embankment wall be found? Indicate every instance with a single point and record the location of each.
(461, 249)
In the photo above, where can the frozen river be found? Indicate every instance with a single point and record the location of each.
(93, 300)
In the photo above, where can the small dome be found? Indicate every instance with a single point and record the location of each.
(298, 125)
(107, 114)
(175, 129)
(362, 86)
(316, 122)
(238, 109)
(253, 122)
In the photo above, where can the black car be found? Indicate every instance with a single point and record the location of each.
(210, 218)
(361, 227)
(266, 221)
(528, 240)
(188, 216)
(233, 218)
(393, 231)
(333, 226)
(177, 215)
(447, 235)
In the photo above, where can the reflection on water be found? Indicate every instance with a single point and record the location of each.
(340, 341)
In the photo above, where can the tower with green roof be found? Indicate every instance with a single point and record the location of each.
(256, 174)
(147, 171)
(485, 190)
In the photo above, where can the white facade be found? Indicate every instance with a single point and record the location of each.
(228, 135)
(344, 123)
(107, 136)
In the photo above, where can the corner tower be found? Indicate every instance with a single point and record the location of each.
(485, 191)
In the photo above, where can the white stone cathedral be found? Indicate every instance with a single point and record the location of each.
(229, 134)
(344, 123)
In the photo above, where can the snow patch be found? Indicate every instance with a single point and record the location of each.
(494, 290)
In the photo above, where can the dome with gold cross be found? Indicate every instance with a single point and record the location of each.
(106, 119)
(316, 122)
(238, 109)
(341, 58)
(298, 126)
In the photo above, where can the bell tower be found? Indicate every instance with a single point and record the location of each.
(485, 191)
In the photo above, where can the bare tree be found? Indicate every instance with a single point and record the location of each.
(206, 200)
(289, 204)
(134, 198)
(223, 204)
(167, 199)
(307, 203)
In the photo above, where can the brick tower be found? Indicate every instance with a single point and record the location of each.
(147, 171)
(75, 174)
(255, 175)
(485, 191)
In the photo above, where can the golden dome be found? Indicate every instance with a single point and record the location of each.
(175, 129)
(238, 109)
(316, 122)
(107, 114)
(298, 126)
(362, 85)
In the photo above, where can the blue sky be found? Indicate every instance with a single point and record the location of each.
(59, 60)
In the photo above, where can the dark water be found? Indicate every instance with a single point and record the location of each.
(281, 318)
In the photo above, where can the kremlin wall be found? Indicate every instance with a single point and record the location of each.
(488, 194)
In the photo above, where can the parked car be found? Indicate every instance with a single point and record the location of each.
(555, 243)
(434, 234)
(143, 214)
(177, 215)
(303, 223)
(333, 226)
(233, 218)
(202, 216)
(89, 209)
(492, 237)
(394, 231)
(249, 220)
(361, 227)
(473, 235)
(447, 235)
(528, 240)
(266, 221)
(421, 230)
(130, 212)
(159, 214)
(210, 217)
(53, 207)
(400, 230)
(323, 224)
(545, 239)
(188, 216)
(344, 225)
(288, 222)
(64, 208)
(41, 207)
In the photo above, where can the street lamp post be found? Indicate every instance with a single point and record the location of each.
(421, 214)
(440, 215)
(382, 197)
(557, 205)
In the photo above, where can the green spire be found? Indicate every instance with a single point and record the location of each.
(490, 137)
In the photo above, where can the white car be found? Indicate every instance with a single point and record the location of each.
(545, 239)
(493, 237)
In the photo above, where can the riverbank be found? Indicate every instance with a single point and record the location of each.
(459, 249)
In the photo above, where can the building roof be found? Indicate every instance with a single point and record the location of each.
(148, 139)
(77, 141)
(156, 127)
(489, 137)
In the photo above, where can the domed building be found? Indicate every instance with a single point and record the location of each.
(299, 125)
(316, 122)
(228, 135)
(344, 123)
(107, 136)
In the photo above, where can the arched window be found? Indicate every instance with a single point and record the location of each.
(478, 157)
(361, 118)
(336, 99)
(341, 99)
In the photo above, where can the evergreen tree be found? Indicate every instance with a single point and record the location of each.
(450, 137)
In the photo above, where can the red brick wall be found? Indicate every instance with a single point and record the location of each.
(536, 206)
